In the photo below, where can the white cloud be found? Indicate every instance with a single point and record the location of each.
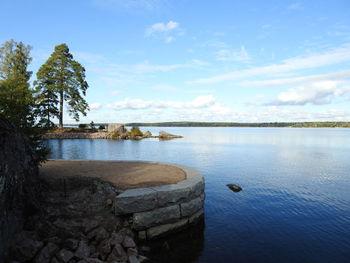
(161, 27)
(169, 39)
(334, 56)
(95, 106)
(166, 31)
(316, 93)
(202, 102)
(332, 114)
(139, 104)
(294, 6)
(240, 55)
(216, 44)
(115, 92)
(164, 87)
(339, 76)
(145, 67)
(130, 4)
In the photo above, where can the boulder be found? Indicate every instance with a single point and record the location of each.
(133, 259)
(94, 260)
(116, 128)
(165, 135)
(71, 244)
(99, 234)
(46, 253)
(64, 255)
(104, 248)
(116, 238)
(147, 134)
(26, 249)
(118, 254)
(234, 187)
(83, 250)
(132, 251)
(128, 242)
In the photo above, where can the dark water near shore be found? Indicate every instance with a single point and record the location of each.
(295, 203)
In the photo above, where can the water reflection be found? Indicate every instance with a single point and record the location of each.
(185, 246)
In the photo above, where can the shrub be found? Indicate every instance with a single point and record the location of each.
(92, 125)
(82, 126)
(101, 127)
(115, 136)
(135, 131)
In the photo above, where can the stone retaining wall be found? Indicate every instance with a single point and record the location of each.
(157, 211)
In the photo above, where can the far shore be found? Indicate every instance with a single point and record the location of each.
(312, 124)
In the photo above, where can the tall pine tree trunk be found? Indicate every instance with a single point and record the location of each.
(48, 118)
(61, 110)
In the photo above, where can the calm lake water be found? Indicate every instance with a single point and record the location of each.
(295, 203)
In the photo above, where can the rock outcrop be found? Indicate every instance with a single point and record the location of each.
(168, 136)
(116, 128)
(18, 173)
(78, 135)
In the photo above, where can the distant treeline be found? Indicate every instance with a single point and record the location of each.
(237, 124)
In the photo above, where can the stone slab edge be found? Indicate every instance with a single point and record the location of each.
(193, 186)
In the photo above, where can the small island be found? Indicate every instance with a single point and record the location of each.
(114, 131)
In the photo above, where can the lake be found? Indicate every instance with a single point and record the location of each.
(295, 203)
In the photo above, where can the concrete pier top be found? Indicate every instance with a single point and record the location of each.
(159, 198)
(123, 174)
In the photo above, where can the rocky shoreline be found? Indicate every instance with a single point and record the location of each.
(107, 136)
(77, 225)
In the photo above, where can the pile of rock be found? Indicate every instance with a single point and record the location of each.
(96, 247)
(78, 225)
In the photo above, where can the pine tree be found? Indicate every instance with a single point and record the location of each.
(64, 77)
(16, 97)
(46, 105)
(17, 102)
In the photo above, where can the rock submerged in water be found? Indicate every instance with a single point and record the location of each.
(167, 136)
(234, 187)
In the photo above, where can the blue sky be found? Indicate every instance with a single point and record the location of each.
(189, 60)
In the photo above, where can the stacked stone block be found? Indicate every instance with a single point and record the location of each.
(157, 211)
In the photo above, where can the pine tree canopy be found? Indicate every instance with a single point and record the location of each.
(62, 78)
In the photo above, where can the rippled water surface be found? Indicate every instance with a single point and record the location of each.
(295, 203)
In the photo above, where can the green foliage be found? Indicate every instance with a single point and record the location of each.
(115, 135)
(63, 79)
(135, 131)
(82, 126)
(16, 97)
(101, 127)
(17, 102)
(46, 105)
(92, 125)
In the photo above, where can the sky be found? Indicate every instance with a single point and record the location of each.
(196, 60)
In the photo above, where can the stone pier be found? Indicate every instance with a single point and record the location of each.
(160, 210)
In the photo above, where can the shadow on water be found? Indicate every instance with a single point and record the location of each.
(185, 246)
